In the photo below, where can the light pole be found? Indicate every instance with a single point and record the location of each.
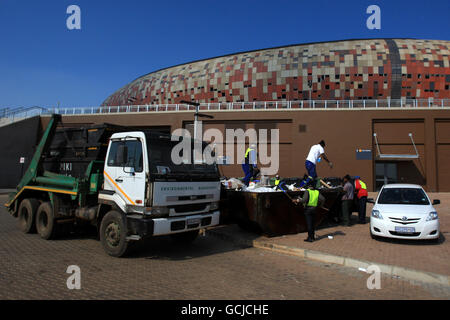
(197, 114)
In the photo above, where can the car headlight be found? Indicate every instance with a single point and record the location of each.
(214, 206)
(432, 216)
(376, 214)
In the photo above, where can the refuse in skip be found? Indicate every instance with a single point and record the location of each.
(268, 209)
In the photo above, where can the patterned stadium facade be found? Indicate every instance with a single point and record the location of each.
(340, 70)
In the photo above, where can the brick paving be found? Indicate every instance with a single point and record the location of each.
(355, 242)
(209, 268)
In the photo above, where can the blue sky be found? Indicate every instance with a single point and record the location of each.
(43, 63)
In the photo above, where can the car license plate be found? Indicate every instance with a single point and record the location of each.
(193, 221)
(405, 230)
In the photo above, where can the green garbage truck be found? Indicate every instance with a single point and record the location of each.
(122, 182)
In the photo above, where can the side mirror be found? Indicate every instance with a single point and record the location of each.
(436, 201)
(370, 200)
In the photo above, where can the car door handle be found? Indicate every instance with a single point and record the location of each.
(119, 180)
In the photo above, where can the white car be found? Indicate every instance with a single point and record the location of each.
(404, 211)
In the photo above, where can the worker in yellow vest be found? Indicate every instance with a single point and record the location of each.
(277, 180)
(311, 200)
(361, 194)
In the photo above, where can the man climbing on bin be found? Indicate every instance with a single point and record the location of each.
(315, 153)
(311, 200)
(361, 194)
(249, 166)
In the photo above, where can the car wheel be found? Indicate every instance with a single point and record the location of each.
(27, 215)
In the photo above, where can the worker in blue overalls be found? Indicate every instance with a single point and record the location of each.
(249, 166)
(315, 153)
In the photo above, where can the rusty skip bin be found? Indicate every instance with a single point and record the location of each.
(273, 213)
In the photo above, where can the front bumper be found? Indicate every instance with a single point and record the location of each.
(423, 229)
(146, 227)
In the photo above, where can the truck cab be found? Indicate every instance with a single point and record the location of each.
(155, 196)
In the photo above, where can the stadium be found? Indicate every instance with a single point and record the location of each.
(356, 69)
(381, 105)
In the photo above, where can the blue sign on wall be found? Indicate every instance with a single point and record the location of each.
(363, 154)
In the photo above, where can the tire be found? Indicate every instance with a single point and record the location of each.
(27, 215)
(45, 221)
(113, 234)
(374, 237)
(185, 237)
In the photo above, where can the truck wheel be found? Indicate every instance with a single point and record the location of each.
(27, 214)
(45, 221)
(113, 233)
(185, 237)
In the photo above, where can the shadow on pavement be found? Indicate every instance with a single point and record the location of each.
(69, 232)
(414, 242)
(166, 248)
(161, 247)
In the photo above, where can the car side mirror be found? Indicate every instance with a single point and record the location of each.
(436, 201)
(370, 200)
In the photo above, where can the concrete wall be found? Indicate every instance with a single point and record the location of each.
(17, 140)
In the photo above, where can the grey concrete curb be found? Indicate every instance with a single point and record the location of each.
(391, 270)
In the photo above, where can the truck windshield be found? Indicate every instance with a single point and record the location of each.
(161, 164)
(403, 196)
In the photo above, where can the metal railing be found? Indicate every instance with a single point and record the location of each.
(8, 115)
(19, 114)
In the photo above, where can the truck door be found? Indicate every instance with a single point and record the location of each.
(124, 171)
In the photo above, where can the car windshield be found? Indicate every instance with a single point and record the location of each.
(403, 196)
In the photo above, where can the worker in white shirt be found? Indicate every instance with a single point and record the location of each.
(316, 152)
